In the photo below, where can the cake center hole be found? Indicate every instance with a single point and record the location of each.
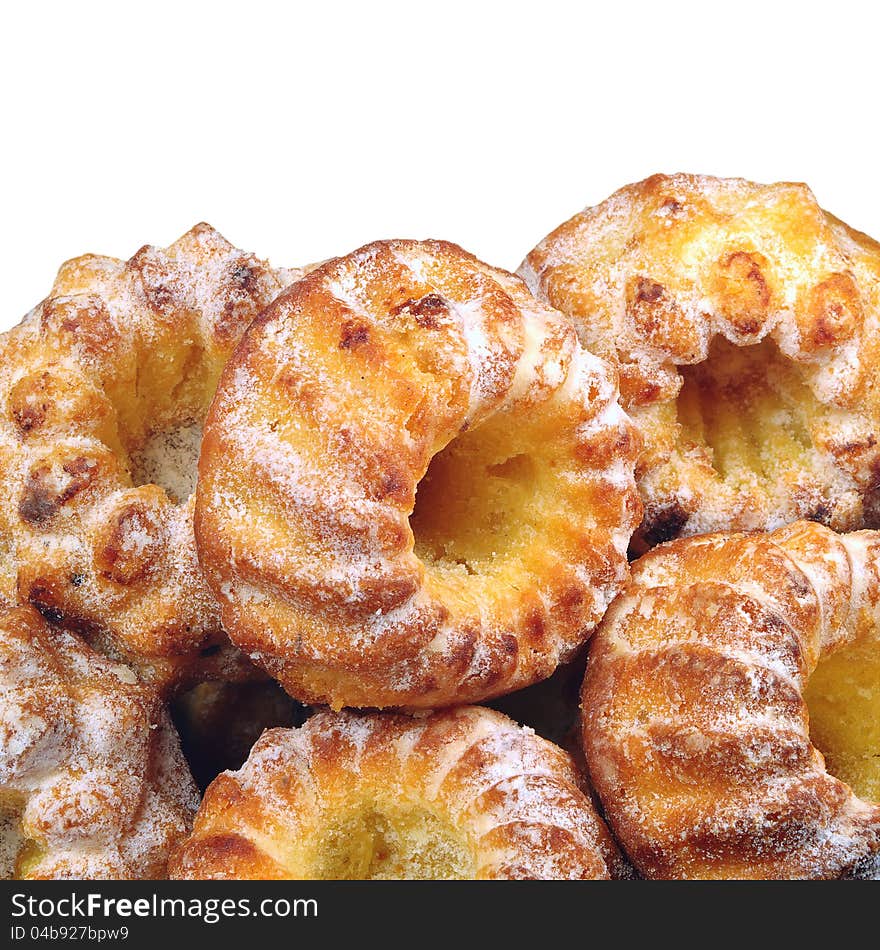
(843, 697)
(749, 410)
(393, 844)
(169, 459)
(472, 502)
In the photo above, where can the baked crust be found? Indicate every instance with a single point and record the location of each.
(459, 793)
(745, 322)
(324, 424)
(695, 727)
(92, 781)
(122, 358)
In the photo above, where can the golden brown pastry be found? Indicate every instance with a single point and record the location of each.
(745, 322)
(92, 781)
(103, 389)
(712, 685)
(416, 488)
(463, 793)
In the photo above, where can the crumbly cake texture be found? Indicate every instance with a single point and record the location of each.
(103, 390)
(696, 728)
(462, 793)
(411, 367)
(744, 322)
(92, 781)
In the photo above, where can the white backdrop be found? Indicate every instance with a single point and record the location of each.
(304, 130)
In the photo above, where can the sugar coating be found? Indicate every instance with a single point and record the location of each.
(170, 460)
(510, 802)
(92, 780)
(695, 728)
(664, 274)
(103, 389)
(324, 427)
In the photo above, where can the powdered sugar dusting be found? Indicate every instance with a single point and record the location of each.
(695, 728)
(664, 268)
(170, 459)
(509, 799)
(106, 383)
(91, 756)
(333, 411)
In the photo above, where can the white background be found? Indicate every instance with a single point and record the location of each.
(301, 131)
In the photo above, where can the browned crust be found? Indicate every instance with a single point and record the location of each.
(89, 758)
(118, 350)
(654, 274)
(323, 426)
(512, 798)
(695, 729)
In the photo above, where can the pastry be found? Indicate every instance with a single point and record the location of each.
(745, 323)
(713, 683)
(103, 390)
(219, 722)
(415, 488)
(461, 793)
(92, 781)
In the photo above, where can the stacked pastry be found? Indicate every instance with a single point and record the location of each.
(312, 518)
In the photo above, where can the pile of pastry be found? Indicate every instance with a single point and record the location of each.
(405, 566)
